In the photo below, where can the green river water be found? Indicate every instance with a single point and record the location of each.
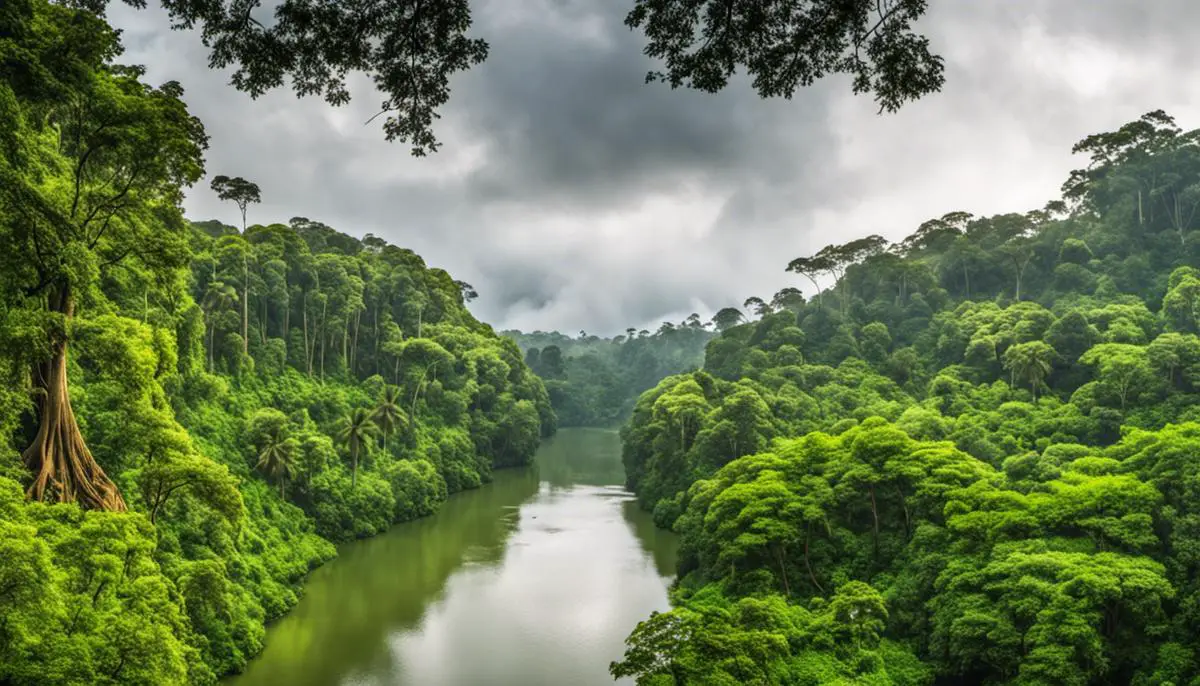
(536, 578)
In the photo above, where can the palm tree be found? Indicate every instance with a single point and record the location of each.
(356, 432)
(1031, 362)
(277, 458)
(388, 415)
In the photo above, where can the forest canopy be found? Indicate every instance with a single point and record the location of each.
(193, 413)
(595, 381)
(969, 458)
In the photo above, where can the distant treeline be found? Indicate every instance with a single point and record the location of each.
(595, 381)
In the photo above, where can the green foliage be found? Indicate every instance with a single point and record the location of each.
(212, 376)
(594, 381)
(972, 462)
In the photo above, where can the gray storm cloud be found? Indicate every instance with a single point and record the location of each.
(574, 196)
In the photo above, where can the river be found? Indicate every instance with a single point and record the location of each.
(536, 578)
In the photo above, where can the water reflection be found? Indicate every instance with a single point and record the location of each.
(534, 579)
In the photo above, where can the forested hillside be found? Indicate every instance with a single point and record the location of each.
(972, 459)
(595, 381)
(190, 414)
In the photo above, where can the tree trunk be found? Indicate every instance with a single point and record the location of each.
(354, 343)
(907, 521)
(787, 591)
(354, 467)
(304, 323)
(64, 469)
(245, 305)
(321, 337)
(875, 516)
(287, 311)
(807, 561)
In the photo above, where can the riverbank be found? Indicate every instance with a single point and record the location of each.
(538, 576)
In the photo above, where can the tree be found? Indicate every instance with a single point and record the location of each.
(190, 473)
(727, 318)
(389, 415)
(782, 44)
(467, 290)
(1123, 369)
(1031, 361)
(355, 432)
(788, 299)
(276, 459)
(758, 306)
(104, 191)
(239, 190)
(552, 365)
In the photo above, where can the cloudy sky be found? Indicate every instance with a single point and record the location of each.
(574, 196)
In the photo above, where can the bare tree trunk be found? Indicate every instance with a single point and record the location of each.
(354, 342)
(64, 469)
(245, 304)
(875, 516)
(321, 337)
(808, 562)
(787, 591)
(304, 323)
(287, 312)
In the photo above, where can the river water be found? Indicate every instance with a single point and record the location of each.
(536, 578)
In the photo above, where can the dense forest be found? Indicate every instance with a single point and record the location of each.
(191, 413)
(595, 381)
(970, 459)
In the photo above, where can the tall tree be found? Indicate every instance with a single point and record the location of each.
(727, 317)
(356, 432)
(389, 415)
(239, 190)
(91, 179)
(276, 459)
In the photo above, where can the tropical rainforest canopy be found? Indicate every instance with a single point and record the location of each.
(595, 381)
(191, 414)
(969, 458)
(972, 459)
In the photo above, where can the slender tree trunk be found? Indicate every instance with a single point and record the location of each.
(321, 336)
(64, 469)
(787, 591)
(245, 303)
(904, 506)
(354, 342)
(304, 324)
(287, 312)
(354, 466)
(875, 516)
(211, 331)
(808, 561)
